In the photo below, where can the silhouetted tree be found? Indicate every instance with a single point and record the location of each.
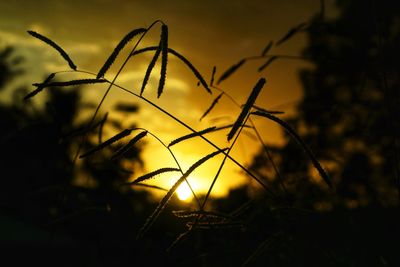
(348, 114)
(55, 211)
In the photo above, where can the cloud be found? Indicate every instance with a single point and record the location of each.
(83, 49)
(40, 28)
(128, 78)
(175, 99)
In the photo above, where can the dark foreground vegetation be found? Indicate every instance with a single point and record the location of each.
(348, 119)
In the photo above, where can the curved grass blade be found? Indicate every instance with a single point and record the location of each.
(40, 87)
(152, 174)
(191, 135)
(183, 59)
(213, 75)
(215, 101)
(108, 142)
(291, 32)
(267, 63)
(268, 111)
(192, 68)
(246, 108)
(118, 49)
(164, 59)
(314, 160)
(129, 145)
(230, 71)
(267, 48)
(207, 130)
(55, 46)
(149, 222)
(70, 83)
(150, 68)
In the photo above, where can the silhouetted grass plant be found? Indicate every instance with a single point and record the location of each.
(200, 218)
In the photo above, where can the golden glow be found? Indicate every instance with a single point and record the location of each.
(183, 192)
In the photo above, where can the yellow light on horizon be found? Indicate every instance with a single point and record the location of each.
(183, 192)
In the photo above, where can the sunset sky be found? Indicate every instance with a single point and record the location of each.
(208, 33)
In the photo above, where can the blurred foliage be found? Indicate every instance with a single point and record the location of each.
(55, 211)
(348, 114)
(6, 58)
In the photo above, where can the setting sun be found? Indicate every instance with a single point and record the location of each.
(183, 192)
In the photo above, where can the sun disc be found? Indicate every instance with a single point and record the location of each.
(183, 192)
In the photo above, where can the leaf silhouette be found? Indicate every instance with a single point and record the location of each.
(231, 70)
(267, 63)
(150, 68)
(118, 49)
(191, 135)
(183, 59)
(149, 222)
(268, 111)
(40, 87)
(108, 142)
(267, 48)
(70, 83)
(152, 174)
(213, 75)
(291, 32)
(164, 59)
(246, 108)
(314, 160)
(215, 101)
(55, 46)
(129, 145)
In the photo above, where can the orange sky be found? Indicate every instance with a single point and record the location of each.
(211, 32)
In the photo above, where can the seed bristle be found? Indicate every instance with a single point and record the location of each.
(267, 48)
(183, 59)
(246, 108)
(40, 87)
(164, 59)
(215, 101)
(152, 174)
(267, 63)
(129, 145)
(231, 70)
(117, 50)
(191, 135)
(106, 143)
(55, 46)
(168, 196)
(314, 160)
